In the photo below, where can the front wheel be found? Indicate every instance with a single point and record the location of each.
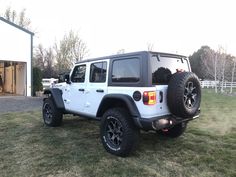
(52, 117)
(175, 131)
(118, 133)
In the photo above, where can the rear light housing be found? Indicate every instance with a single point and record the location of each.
(149, 97)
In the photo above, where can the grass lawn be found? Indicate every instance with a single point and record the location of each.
(208, 148)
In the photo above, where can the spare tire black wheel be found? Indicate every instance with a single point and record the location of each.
(184, 94)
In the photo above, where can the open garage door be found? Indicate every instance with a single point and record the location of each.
(13, 76)
(21, 79)
(9, 80)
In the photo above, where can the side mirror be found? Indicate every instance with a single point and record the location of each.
(67, 78)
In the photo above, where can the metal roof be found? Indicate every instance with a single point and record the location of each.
(16, 26)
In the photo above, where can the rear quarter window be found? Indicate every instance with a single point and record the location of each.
(126, 70)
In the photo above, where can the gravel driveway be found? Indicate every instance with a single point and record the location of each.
(20, 104)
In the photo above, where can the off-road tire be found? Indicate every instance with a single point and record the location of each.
(52, 117)
(175, 131)
(118, 133)
(184, 94)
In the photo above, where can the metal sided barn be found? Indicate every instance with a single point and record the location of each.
(16, 52)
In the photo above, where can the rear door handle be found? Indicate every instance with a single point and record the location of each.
(100, 90)
(81, 90)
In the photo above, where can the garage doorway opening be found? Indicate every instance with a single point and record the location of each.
(12, 78)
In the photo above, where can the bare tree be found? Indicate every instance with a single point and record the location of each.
(10, 14)
(222, 65)
(39, 57)
(23, 20)
(213, 65)
(49, 70)
(223, 75)
(17, 18)
(215, 70)
(206, 58)
(70, 49)
(121, 51)
(44, 59)
(232, 76)
(150, 46)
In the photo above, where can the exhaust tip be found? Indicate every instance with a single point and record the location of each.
(161, 124)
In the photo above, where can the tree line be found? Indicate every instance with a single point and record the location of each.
(217, 65)
(207, 63)
(54, 60)
(60, 58)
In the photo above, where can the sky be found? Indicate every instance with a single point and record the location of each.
(107, 26)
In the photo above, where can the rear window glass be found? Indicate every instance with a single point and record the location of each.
(164, 66)
(126, 70)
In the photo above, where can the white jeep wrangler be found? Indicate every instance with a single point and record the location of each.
(128, 92)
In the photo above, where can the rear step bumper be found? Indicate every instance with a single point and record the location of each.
(168, 121)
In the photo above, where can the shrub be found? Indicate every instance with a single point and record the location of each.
(37, 80)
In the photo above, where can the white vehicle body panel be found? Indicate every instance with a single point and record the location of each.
(88, 101)
(146, 111)
(95, 92)
(74, 99)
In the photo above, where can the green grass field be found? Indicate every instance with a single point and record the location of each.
(208, 148)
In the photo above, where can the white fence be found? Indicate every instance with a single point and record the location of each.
(212, 84)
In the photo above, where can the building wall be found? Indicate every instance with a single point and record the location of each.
(15, 45)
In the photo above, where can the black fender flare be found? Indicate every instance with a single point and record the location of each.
(56, 95)
(126, 99)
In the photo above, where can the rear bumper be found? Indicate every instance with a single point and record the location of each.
(161, 122)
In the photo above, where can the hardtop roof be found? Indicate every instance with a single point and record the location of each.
(131, 54)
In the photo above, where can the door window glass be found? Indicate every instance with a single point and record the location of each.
(78, 74)
(98, 72)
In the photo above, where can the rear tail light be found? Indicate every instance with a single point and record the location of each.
(149, 98)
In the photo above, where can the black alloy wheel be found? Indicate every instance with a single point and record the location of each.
(118, 133)
(47, 112)
(114, 131)
(190, 95)
(52, 116)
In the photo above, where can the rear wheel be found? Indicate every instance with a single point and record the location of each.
(52, 117)
(118, 134)
(175, 131)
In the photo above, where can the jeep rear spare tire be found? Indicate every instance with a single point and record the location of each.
(184, 94)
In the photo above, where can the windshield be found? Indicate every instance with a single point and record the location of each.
(163, 66)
